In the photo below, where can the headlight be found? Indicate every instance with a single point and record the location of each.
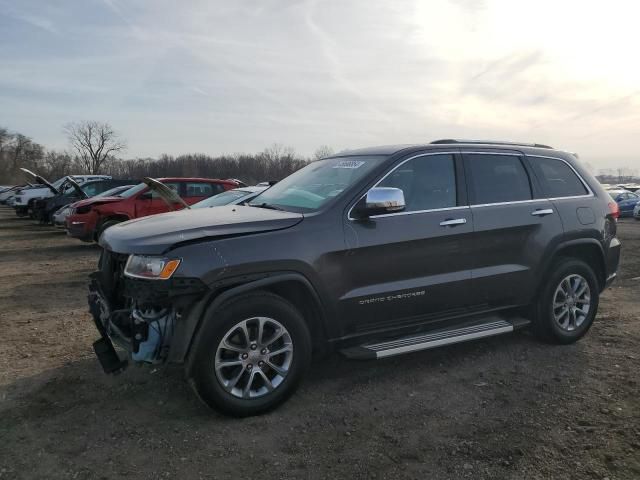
(151, 268)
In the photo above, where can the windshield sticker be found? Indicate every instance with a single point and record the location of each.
(349, 164)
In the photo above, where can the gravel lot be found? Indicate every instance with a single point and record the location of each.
(507, 407)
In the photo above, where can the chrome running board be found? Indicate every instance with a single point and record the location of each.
(424, 341)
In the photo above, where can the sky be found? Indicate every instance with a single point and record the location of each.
(237, 76)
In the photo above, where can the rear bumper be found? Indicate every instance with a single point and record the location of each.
(612, 261)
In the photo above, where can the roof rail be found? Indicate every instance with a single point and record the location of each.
(488, 142)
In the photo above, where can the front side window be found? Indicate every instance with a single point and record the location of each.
(498, 178)
(313, 186)
(558, 179)
(175, 186)
(428, 182)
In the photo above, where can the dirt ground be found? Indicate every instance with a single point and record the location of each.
(507, 407)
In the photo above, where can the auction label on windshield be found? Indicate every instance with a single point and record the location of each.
(349, 164)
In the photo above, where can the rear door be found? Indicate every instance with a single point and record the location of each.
(412, 266)
(513, 224)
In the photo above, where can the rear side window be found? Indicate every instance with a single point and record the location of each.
(201, 189)
(558, 179)
(498, 178)
(428, 182)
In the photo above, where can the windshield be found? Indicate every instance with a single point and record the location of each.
(224, 198)
(114, 192)
(133, 190)
(313, 186)
(59, 182)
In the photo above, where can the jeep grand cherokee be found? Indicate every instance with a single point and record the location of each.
(374, 252)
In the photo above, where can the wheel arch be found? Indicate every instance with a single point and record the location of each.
(588, 250)
(292, 286)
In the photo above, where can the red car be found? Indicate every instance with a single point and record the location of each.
(90, 217)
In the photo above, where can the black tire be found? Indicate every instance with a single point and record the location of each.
(255, 304)
(106, 224)
(544, 324)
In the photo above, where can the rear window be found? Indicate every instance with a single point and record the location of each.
(201, 189)
(498, 178)
(558, 179)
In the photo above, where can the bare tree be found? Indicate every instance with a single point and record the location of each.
(323, 151)
(95, 142)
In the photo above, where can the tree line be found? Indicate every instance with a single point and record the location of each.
(96, 148)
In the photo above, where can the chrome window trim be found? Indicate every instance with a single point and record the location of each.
(515, 202)
(453, 152)
(382, 215)
(479, 205)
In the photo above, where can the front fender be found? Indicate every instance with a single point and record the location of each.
(188, 333)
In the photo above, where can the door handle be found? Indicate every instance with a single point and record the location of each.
(541, 212)
(453, 222)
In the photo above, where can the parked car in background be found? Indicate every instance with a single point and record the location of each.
(10, 192)
(375, 252)
(60, 216)
(89, 218)
(25, 198)
(70, 191)
(636, 211)
(626, 201)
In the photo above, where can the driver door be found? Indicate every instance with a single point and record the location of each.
(412, 266)
(151, 203)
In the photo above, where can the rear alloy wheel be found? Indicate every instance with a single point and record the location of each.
(571, 302)
(568, 303)
(252, 354)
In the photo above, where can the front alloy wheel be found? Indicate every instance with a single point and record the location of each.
(252, 354)
(254, 357)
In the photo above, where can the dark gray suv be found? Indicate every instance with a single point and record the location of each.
(373, 252)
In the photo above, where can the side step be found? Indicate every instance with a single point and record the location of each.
(424, 341)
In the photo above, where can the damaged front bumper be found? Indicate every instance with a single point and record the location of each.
(138, 316)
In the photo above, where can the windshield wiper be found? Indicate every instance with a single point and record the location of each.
(267, 205)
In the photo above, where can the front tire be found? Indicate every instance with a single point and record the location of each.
(252, 354)
(568, 302)
(105, 225)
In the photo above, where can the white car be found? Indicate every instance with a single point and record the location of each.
(24, 198)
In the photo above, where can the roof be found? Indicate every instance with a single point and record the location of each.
(439, 144)
(195, 179)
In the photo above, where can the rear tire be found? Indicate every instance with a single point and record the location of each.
(243, 376)
(568, 302)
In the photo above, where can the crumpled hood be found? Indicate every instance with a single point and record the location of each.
(156, 234)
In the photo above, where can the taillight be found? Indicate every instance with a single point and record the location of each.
(614, 209)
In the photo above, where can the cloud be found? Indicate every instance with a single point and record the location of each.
(216, 76)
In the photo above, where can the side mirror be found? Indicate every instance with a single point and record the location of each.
(380, 200)
(146, 195)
